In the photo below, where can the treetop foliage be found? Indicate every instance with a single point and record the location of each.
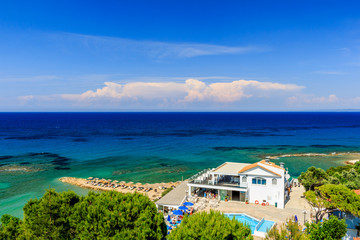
(330, 197)
(348, 176)
(330, 229)
(109, 215)
(213, 225)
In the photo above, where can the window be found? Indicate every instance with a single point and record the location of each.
(257, 180)
(274, 181)
(244, 179)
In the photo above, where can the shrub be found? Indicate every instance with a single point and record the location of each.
(213, 225)
(110, 215)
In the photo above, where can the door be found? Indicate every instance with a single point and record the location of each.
(235, 196)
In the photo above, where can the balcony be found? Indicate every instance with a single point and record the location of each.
(221, 183)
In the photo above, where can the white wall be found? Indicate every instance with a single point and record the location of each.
(269, 192)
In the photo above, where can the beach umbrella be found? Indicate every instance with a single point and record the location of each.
(122, 182)
(114, 182)
(188, 204)
(138, 184)
(96, 179)
(177, 212)
(89, 178)
(183, 208)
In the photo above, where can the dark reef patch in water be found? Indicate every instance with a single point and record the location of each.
(226, 149)
(61, 161)
(80, 140)
(33, 137)
(329, 146)
(6, 157)
(62, 168)
(24, 163)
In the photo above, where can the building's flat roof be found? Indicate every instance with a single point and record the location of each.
(174, 197)
(230, 168)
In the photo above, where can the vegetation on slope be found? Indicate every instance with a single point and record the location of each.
(332, 229)
(110, 215)
(213, 225)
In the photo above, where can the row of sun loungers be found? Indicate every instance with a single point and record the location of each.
(123, 186)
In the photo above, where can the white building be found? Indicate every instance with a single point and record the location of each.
(262, 182)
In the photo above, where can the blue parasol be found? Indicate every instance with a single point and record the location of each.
(183, 208)
(188, 204)
(177, 212)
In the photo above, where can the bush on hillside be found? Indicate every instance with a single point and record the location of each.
(110, 215)
(332, 229)
(213, 225)
(348, 176)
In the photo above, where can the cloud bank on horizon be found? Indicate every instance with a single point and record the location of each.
(191, 94)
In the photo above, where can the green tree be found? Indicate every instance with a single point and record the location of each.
(313, 177)
(213, 225)
(120, 216)
(10, 227)
(289, 231)
(332, 229)
(110, 215)
(330, 197)
(48, 217)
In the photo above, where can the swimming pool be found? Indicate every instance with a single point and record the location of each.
(254, 224)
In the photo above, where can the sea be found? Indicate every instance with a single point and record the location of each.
(36, 149)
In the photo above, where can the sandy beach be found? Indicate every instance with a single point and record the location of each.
(345, 154)
(352, 162)
(155, 193)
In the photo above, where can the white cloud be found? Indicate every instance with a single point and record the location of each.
(192, 90)
(154, 49)
(25, 99)
(330, 72)
(307, 99)
(39, 78)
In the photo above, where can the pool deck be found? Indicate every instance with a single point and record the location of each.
(295, 206)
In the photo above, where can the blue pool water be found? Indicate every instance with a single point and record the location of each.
(265, 226)
(252, 222)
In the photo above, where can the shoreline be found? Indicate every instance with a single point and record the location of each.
(155, 193)
(348, 161)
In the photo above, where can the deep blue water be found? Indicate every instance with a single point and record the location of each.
(156, 147)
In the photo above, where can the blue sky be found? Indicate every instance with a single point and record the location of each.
(179, 55)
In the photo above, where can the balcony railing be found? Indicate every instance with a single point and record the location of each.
(220, 183)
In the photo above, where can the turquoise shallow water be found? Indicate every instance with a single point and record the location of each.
(36, 149)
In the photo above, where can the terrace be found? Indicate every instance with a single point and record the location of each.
(225, 175)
